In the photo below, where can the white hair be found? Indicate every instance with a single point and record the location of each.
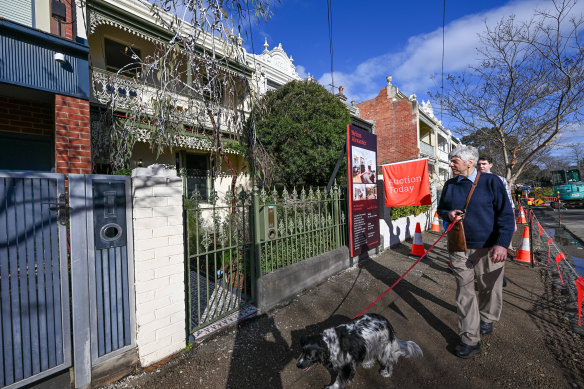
(465, 153)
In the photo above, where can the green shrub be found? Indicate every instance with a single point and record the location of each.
(123, 172)
(399, 212)
(546, 192)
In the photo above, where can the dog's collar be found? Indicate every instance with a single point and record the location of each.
(325, 339)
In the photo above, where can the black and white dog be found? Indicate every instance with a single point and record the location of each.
(368, 339)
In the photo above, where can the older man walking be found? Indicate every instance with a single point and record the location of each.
(488, 228)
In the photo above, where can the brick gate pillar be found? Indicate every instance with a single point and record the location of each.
(159, 266)
(72, 135)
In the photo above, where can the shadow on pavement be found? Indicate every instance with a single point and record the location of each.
(260, 353)
(411, 295)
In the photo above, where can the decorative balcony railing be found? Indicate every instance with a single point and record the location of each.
(442, 155)
(128, 94)
(427, 150)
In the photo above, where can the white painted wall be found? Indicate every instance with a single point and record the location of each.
(159, 263)
(396, 231)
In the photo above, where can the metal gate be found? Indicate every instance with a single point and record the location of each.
(219, 267)
(101, 270)
(34, 283)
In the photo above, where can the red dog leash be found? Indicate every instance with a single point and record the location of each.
(407, 271)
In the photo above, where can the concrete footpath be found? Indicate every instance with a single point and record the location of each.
(532, 345)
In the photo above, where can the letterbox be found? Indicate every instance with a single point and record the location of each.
(268, 222)
(109, 214)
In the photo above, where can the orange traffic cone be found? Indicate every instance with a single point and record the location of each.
(524, 252)
(521, 219)
(418, 245)
(435, 223)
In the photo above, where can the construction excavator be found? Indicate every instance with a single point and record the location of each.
(568, 187)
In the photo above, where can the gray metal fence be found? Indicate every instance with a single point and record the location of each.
(34, 285)
(102, 270)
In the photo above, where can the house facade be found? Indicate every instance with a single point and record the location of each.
(408, 130)
(435, 144)
(44, 93)
(118, 29)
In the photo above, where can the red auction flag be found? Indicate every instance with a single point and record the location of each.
(407, 183)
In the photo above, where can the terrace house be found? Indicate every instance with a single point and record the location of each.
(408, 130)
(119, 31)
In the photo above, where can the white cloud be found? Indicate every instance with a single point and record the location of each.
(301, 71)
(415, 67)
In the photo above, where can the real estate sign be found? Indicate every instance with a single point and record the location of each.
(406, 183)
(362, 188)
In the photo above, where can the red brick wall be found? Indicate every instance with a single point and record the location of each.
(25, 117)
(72, 135)
(66, 25)
(395, 126)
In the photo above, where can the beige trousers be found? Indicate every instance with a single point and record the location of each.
(487, 307)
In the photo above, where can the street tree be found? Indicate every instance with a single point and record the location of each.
(527, 87)
(303, 128)
(483, 140)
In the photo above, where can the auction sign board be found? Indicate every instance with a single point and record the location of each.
(407, 183)
(362, 188)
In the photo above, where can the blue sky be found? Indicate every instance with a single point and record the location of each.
(374, 39)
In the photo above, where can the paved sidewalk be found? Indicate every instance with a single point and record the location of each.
(532, 345)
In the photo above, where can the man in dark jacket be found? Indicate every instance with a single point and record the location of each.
(488, 228)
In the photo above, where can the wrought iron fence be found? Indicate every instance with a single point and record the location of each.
(232, 242)
(292, 227)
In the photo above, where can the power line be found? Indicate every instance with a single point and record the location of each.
(330, 31)
(442, 84)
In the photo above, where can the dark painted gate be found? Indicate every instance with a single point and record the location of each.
(34, 284)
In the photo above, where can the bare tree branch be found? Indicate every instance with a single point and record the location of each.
(528, 86)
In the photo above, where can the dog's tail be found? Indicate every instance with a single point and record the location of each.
(409, 348)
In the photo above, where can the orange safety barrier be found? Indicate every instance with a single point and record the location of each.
(579, 280)
(524, 252)
(418, 244)
(435, 223)
(521, 219)
(580, 286)
(559, 257)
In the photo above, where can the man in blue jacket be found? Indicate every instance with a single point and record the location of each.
(488, 228)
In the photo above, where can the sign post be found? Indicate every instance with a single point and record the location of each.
(362, 188)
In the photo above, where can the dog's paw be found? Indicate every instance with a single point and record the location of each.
(386, 373)
(367, 364)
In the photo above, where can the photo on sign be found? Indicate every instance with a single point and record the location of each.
(359, 192)
(371, 191)
(363, 166)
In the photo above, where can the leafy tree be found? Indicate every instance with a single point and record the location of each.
(303, 128)
(528, 86)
